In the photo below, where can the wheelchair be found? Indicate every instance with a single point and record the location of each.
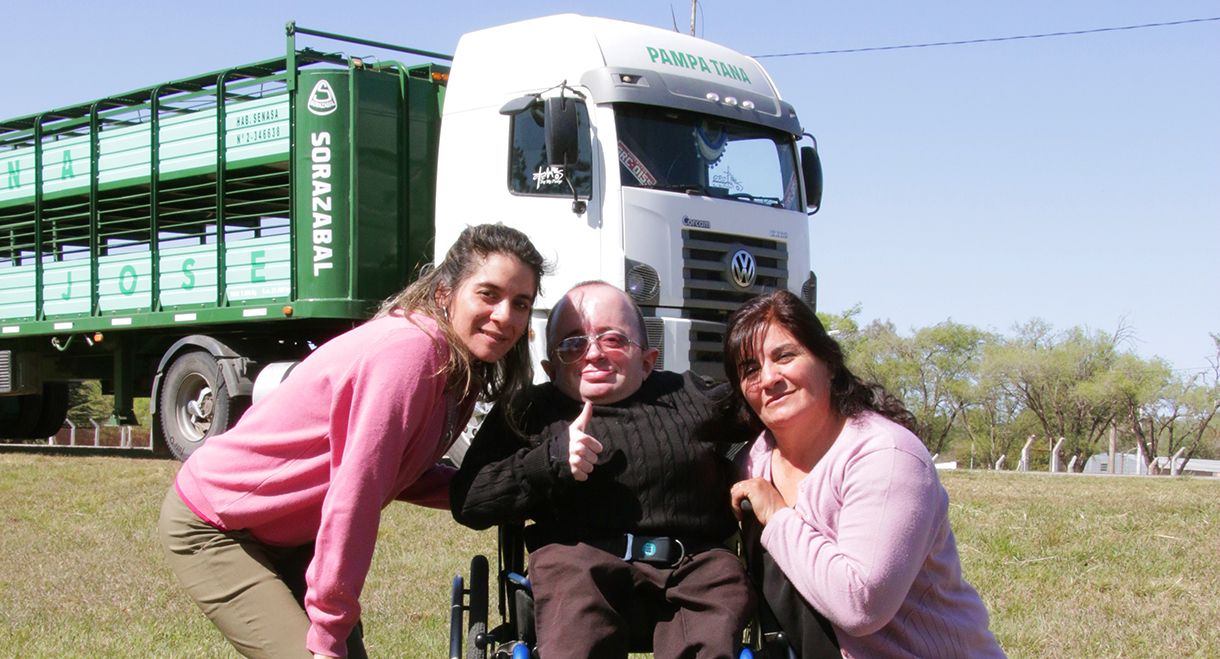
(513, 638)
(470, 636)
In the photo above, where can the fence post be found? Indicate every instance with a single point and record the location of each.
(71, 433)
(1000, 463)
(1055, 456)
(1174, 468)
(97, 431)
(1140, 467)
(1113, 446)
(1023, 465)
(1072, 464)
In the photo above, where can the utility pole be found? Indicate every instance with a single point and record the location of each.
(692, 16)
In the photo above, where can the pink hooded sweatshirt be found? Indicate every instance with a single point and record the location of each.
(361, 422)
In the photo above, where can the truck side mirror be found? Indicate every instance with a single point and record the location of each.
(562, 145)
(811, 168)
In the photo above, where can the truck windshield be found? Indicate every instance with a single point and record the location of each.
(668, 149)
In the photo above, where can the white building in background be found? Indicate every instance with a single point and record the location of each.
(1192, 467)
(1129, 463)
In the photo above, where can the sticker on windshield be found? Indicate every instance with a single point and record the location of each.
(790, 192)
(550, 176)
(322, 99)
(727, 181)
(633, 165)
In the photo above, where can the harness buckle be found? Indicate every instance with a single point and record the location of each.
(658, 550)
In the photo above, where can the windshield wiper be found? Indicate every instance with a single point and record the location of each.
(773, 202)
(680, 187)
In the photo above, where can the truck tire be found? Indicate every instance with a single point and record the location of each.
(195, 403)
(457, 451)
(37, 416)
(21, 416)
(54, 409)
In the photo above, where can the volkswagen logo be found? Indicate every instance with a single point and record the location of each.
(742, 269)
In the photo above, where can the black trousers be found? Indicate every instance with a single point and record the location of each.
(809, 633)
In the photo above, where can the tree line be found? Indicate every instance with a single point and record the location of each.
(979, 395)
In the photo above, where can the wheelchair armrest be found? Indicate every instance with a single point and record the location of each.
(520, 581)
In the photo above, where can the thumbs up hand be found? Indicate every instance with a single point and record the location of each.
(582, 449)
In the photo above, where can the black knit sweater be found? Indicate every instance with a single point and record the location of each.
(661, 470)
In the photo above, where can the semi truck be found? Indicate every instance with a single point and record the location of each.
(193, 240)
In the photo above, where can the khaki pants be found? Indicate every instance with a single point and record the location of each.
(251, 591)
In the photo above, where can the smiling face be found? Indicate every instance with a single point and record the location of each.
(491, 308)
(786, 386)
(599, 376)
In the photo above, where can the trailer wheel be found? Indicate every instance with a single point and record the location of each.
(195, 403)
(54, 409)
(21, 416)
(36, 416)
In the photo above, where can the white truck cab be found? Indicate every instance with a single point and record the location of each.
(658, 162)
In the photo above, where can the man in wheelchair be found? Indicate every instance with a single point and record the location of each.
(621, 471)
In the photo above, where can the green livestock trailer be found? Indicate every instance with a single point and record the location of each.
(176, 241)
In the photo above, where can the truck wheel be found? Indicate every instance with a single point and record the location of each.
(36, 416)
(457, 452)
(21, 416)
(54, 409)
(195, 403)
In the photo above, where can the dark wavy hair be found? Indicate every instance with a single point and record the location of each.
(849, 395)
(466, 373)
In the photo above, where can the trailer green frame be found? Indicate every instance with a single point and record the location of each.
(121, 345)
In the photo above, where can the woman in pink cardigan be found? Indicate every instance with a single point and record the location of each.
(270, 526)
(850, 524)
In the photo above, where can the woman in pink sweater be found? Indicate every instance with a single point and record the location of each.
(854, 521)
(270, 526)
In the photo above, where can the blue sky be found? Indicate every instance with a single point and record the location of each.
(1074, 179)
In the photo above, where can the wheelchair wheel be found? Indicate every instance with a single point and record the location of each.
(476, 638)
(456, 606)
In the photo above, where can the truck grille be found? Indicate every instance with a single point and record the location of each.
(711, 294)
(655, 329)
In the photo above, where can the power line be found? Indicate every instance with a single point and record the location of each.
(991, 40)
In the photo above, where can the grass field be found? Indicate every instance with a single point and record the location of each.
(1069, 566)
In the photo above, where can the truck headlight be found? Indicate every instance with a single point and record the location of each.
(642, 282)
